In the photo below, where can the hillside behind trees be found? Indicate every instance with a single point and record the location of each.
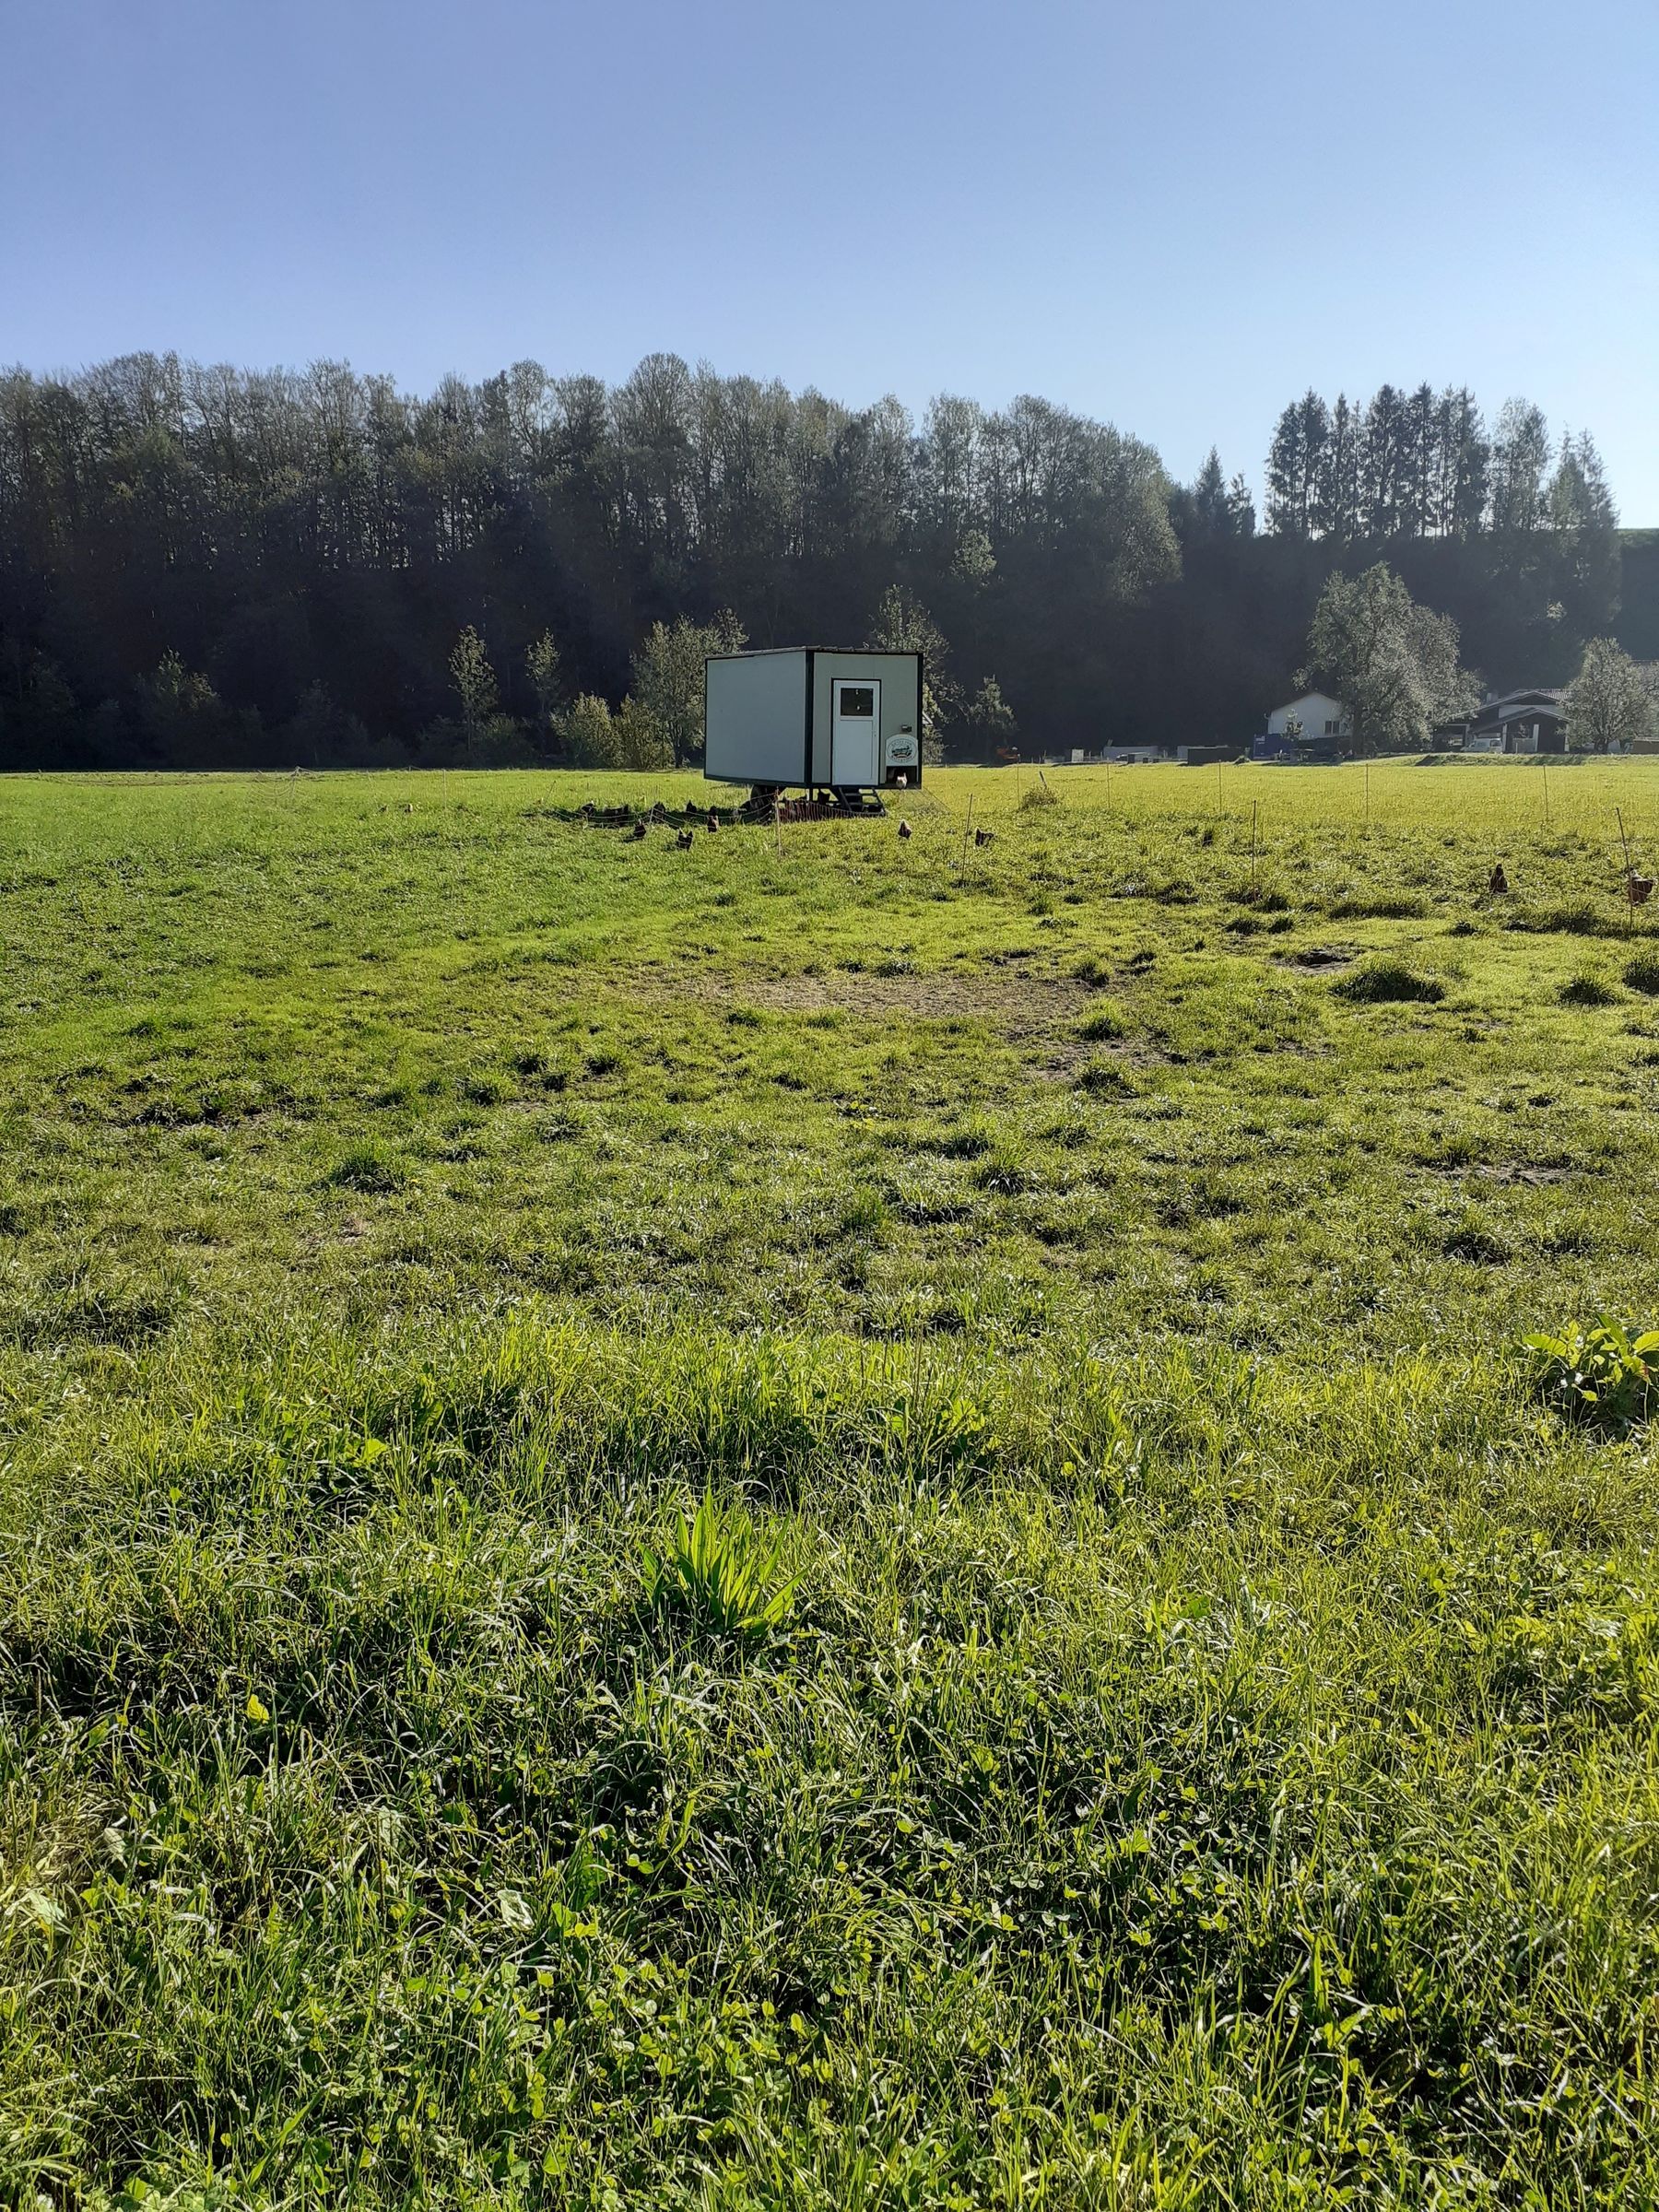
(209, 566)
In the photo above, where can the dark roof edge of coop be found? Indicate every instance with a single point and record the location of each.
(883, 652)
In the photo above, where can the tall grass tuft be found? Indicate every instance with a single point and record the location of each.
(1589, 991)
(1386, 981)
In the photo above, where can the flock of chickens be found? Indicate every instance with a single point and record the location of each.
(685, 838)
(1639, 889)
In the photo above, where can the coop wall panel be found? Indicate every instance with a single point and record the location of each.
(899, 676)
(756, 718)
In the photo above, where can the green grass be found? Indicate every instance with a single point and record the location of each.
(863, 1525)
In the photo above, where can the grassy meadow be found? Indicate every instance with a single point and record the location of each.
(1155, 1706)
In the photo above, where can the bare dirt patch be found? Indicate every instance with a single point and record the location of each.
(1020, 1007)
(1502, 1171)
(1319, 956)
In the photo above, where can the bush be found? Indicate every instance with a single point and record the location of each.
(588, 734)
(501, 743)
(642, 740)
(1388, 980)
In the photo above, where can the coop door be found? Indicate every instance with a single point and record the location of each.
(854, 733)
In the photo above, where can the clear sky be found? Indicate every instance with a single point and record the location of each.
(1175, 215)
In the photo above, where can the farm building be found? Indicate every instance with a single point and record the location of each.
(1511, 722)
(829, 719)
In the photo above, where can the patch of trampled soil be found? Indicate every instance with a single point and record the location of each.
(1504, 1171)
(1020, 1007)
(1319, 956)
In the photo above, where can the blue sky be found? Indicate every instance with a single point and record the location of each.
(1175, 216)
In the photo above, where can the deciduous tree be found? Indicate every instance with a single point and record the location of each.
(904, 625)
(546, 680)
(183, 714)
(1609, 702)
(990, 719)
(1391, 664)
(668, 677)
(475, 683)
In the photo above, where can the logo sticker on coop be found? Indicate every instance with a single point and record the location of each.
(901, 748)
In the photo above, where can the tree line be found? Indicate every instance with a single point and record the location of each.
(213, 566)
(1425, 465)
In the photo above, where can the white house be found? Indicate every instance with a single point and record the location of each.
(1315, 713)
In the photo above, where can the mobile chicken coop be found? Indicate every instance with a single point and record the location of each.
(842, 724)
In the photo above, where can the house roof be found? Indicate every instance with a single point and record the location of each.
(1307, 698)
(1541, 697)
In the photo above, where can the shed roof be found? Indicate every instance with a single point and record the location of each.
(878, 652)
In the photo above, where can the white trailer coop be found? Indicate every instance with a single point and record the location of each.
(842, 722)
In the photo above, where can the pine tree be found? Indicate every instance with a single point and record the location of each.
(1422, 454)
(1337, 507)
(1315, 423)
(1209, 498)
(991, 719)
(1584, 527)
(1520, 455)
(1286, 463)
(1385, 466)
(1464, 460)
